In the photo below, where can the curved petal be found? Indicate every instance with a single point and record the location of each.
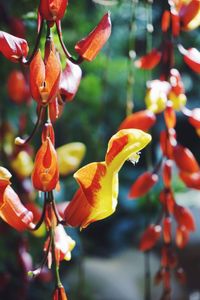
(37, 76)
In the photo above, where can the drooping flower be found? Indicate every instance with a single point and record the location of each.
(185, 159)
(70, 80)
(97, 195)
(191, 57)
(12, 47)
(45, 174)
(70, 157)
(89, 47)
(44, 77)
(52, 10)
(12, 211)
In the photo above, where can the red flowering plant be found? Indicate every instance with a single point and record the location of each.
(50, 87)
(166, 95)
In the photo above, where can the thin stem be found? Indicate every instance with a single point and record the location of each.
(77, 61)
(147, 288)
(27, 62)
(37, 226)
(19, 141)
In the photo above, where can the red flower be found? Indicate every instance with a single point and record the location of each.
(17, 87)
(70, 80)
(143, 184)
(45, 174)
(12, 47)
(12, 211)
(143, 120)
(182, 236)
(89, 47)
(45, 77)
(150, 237)
(185, 160)
(149, 61)
(184, 217)
(191, 58)
(52, 10)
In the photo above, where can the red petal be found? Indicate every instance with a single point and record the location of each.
(184, 217)
(175, 24)
(17, 88)
(70, 80)
(143, 120)
(167, 173)
(167, 236)
(182, 236)
(185, 160)
(192, 59)
(150, 237)
(170, 116)
(191, 180)
(194, 118)
(12, 47)
(89, 47)
(189, 12)
(149, 61)
(37, 76)
(52, 10)
(165, 21)
(143, 184)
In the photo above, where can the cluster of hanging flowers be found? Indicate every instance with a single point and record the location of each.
(166, 95)
(51, 87)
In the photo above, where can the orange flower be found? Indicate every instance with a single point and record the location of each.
(185, 160)
(45, 174)
(17, 87)
(44, 77)
(96, 198)
(52, 10)
(89, 47)
(184, 217)
(12, 211)
(12, 47)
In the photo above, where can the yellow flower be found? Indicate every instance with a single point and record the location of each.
(96, 198)
(70, 157)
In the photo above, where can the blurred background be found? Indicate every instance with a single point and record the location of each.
(106, 263)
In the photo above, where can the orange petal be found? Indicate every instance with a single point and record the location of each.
(188, 12)
(89, 47)
(13, 211)
(192, 59)
(45, 173)
(149, 61)
(167, 224)
(170, 115)
(167, 172)
(17, 88)
(52, 76)
(143, 120)
(37, 76)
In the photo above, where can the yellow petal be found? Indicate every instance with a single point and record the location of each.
(23, 164)
(70, 157)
